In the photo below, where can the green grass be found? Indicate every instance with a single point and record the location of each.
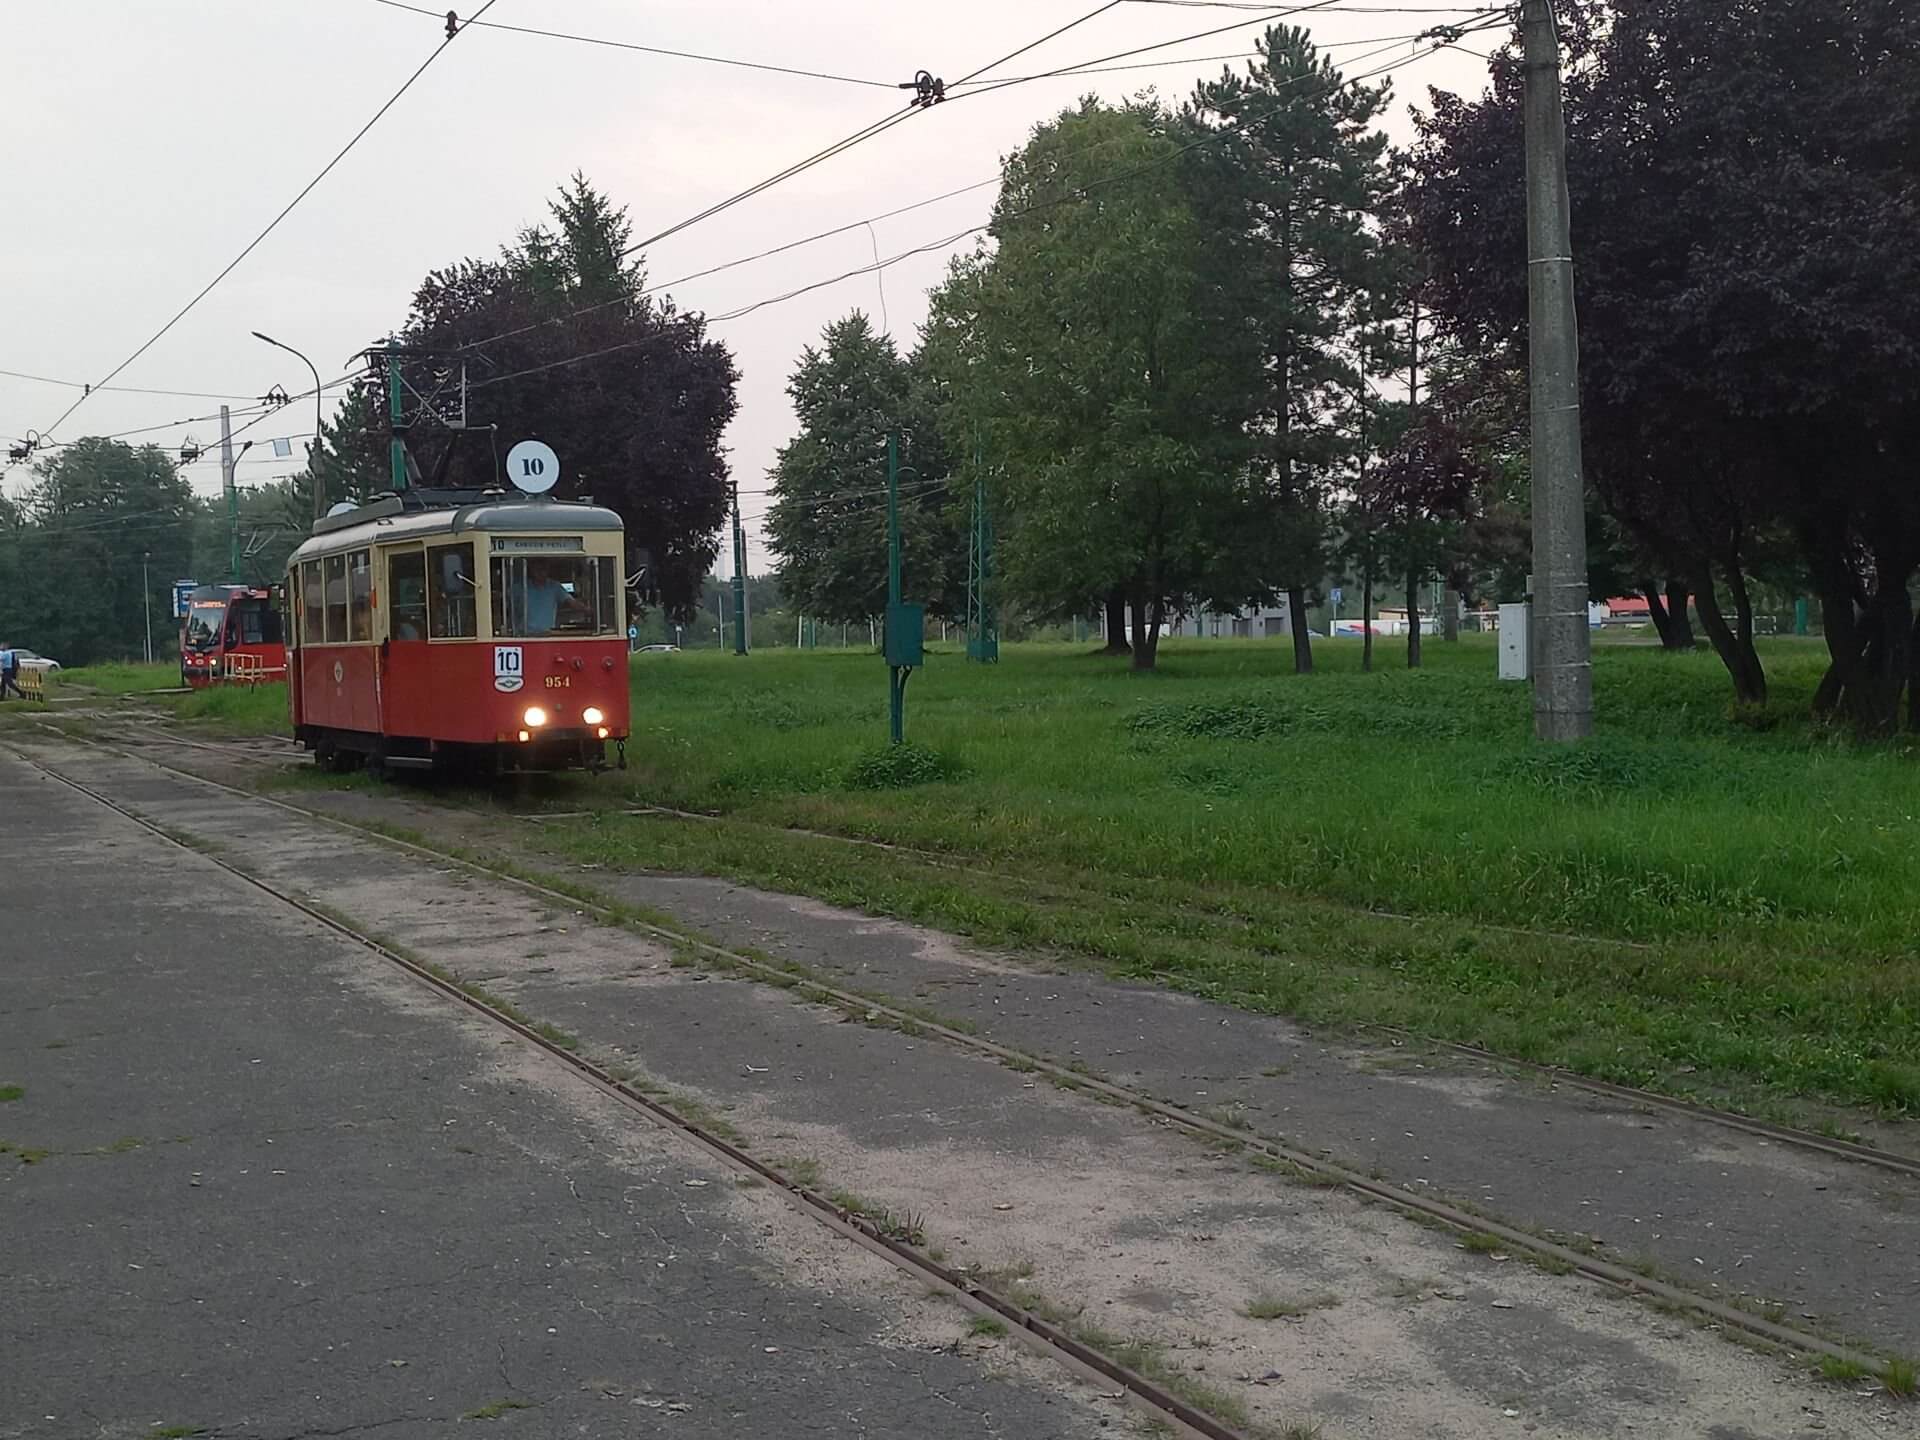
(1899, 1378)
(11, 1092)
(1280, 1307)
(986, 1325)
(125, 678)
(1708, 905)
(1228, 827)
(1839, 1368)
(238, 709)
(495, 1409)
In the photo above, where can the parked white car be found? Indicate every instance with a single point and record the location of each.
(28, 660)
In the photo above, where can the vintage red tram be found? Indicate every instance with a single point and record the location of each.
(490, 633)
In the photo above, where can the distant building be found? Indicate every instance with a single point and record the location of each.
(1267, 622)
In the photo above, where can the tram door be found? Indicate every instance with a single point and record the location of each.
(406, 687)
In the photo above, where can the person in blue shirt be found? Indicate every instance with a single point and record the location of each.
(9, 671)
(546, 597)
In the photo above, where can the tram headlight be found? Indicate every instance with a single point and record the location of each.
(535, 716)
(603, 732)
(592, 715)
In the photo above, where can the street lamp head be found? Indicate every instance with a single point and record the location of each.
(268, 338)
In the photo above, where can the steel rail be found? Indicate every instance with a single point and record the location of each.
(1087, 1362)
(1593, 1267)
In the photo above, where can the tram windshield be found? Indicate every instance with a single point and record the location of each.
(203, 624)
(536, 595)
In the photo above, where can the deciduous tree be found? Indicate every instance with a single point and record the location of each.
(562, 342)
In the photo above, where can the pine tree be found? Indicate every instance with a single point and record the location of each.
(1294, 186)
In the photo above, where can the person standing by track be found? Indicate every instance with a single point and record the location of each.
(10, 671)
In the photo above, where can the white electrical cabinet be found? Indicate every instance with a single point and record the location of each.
(1516, 654)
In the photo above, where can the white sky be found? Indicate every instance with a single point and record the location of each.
(143, 144)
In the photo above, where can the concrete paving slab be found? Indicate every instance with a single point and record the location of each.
(1390, 1330)
(1828, 1242)
(259, 1183)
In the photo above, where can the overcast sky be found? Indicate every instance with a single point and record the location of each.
(146, 143)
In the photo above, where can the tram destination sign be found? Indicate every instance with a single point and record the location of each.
(537, 544)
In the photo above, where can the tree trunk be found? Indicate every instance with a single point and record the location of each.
(1657, 612)
(1116, 623)
(1366, 617)
(1413, 620)
(1678, 596)
(1913, 678)
(1891, 660)
(1749, 682)
(1146, 631)
(1846, 650)
(1143, 651)
(1297, 621)
(1743, 632)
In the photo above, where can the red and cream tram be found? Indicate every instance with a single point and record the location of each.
(489, 633)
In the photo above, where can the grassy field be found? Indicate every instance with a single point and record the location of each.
(1702, 902)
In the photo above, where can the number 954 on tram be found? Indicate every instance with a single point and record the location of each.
(488, 636)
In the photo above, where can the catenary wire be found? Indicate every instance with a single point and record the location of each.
(950, 240)
(868, 132)
(903, 209)
(438, 15)
(126, 389)
(272, 224)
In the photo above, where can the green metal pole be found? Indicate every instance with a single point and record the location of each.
(896, 681)
(893, 519)
(396, 447)
(739, 578)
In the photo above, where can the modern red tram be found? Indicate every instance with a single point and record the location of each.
(231, 633)
(490, 633)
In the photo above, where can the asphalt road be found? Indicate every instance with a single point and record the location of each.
(257, 1183)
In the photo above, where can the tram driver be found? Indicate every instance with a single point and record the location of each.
(545, 599)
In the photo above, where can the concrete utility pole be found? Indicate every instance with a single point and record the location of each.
(233, 495)
(739, 578)
(1563, 674)
(229, 463)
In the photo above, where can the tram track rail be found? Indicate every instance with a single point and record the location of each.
(1319, 1168)
(1832, 1146)
(1085, 1361)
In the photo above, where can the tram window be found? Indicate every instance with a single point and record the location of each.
(336, 571)
(253, 622)
(451, 613)
(535, 595)
(407, 594)
(313, 597)
(359, 595)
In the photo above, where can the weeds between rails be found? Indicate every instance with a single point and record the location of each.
(1761, 863)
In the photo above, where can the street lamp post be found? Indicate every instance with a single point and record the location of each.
(146, 596)
(313, 446)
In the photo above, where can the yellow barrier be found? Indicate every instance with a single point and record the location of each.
(33, 684)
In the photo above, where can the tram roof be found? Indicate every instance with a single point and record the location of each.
(385, 521)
